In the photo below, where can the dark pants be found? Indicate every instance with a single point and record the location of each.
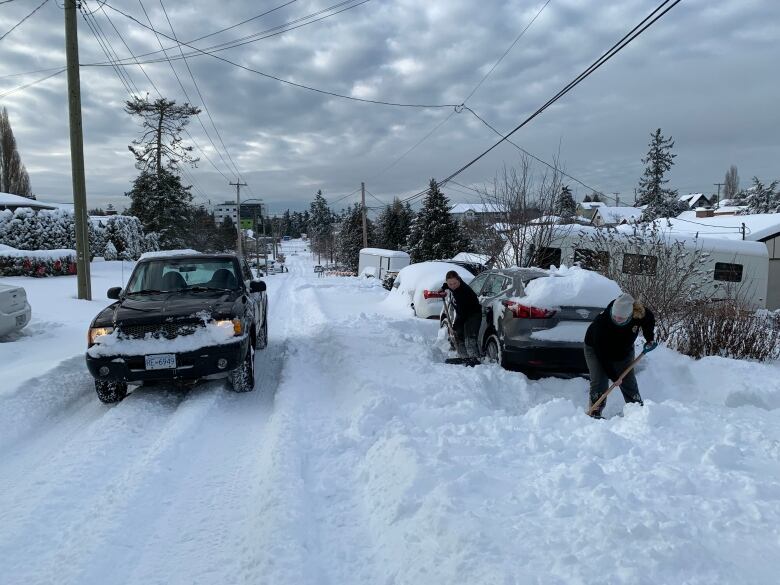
(599, 380)
(466, 336)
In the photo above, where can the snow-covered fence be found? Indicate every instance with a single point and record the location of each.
(36, 263)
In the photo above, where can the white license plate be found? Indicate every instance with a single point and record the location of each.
(161, 361)
(20, 320)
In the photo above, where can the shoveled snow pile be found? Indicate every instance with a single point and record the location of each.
(212, 333)
(570, 286)
(167, 253)
(416, 278)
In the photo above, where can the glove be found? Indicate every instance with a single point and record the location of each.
(650, 346)
(444, 287)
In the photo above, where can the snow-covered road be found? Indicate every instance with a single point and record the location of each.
(361, 458)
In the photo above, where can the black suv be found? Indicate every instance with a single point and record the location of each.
(181, 317)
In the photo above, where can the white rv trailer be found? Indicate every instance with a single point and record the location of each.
(727, 265)
(377, 262)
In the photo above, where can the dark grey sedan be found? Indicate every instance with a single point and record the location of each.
(518, 336)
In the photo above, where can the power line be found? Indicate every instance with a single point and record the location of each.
(18, 24)
(285, 81)
(345, 196)
(31, 83)
(382, 203)
(200, 95)
(509, 49)
(30, 72)
(646, 23)
(629, 37)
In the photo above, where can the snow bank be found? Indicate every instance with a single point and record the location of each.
(166, 253)
(211, 334)
(39, 254)
(570, 286)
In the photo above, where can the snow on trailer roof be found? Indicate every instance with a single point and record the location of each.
(475, 207)
(471, 257)
(758, 226)
(385, 253)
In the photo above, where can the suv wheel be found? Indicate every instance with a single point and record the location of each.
(109, 391)
(242, 379)
(493, 350)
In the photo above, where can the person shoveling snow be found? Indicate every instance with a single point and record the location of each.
(609, 349)
(467, 321)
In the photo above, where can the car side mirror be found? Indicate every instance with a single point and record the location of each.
(114, 292)
(257, 286)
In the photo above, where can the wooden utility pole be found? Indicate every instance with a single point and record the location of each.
(77, 152)
(363, 213)
(617, 198)
(239, 244)
(719, 186)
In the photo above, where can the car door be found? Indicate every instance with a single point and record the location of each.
(494, 288)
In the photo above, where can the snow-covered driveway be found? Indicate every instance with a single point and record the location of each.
(361, 459)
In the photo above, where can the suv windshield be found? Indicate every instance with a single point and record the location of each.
(176, 274)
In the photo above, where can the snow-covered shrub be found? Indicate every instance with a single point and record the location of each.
(724, 329)
(36, 264)
(109, 252)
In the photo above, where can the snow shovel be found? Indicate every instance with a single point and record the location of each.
(615, 384)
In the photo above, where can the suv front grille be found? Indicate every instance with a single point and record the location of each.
(157, 331)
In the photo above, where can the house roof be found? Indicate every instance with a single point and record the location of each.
(475, 207)
(619, 214)
(385, 253)
(14, 201)
(758, 226)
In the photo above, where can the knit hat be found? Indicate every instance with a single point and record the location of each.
(623, 308)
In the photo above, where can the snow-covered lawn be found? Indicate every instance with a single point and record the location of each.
(362, 458)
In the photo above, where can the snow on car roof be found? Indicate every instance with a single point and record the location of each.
(570, 286)
(169, 253)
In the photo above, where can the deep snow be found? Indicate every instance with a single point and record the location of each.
(362, 458)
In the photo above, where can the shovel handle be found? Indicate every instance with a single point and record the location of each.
(603, 397)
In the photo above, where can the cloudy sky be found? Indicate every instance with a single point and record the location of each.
(706, 74)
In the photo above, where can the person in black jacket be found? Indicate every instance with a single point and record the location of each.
(468, 317)
(609, 347)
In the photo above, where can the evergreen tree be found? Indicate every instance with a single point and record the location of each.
(393, 226)
(597, 197)
(434, 234)
(320, 227)
(660, 201)
(762, 198)
(587, 199)
(162, 204)
(350, 237)
(109, 252)
(13, 175)
(566, 205)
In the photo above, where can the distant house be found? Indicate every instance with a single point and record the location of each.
(488, 212)
(587, 209)
(610, 216)
(14, 202)
(694, 200)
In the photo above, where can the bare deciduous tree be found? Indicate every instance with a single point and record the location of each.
(13, 176)
(520, 201)
(731, 183)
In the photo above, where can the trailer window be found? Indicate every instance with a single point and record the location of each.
(547, 257)
(639, 264)
(728, 272)
(597, 260)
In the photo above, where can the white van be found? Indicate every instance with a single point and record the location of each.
(376, 262)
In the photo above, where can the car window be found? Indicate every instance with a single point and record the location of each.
(171, 274)
(478, 282)
(496, 284)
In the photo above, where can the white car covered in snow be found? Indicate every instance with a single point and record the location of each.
(15, 311)
(420, 286)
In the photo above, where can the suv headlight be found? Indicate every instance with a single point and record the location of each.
(238, 328)
(95, 333)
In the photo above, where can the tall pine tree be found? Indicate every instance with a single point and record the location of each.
(13, 176)
(660, 201)
(320, 228)
(393, 226)
(162, 204)
(350, 237)
(566, 206)
(435, 234)
(761, 198)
